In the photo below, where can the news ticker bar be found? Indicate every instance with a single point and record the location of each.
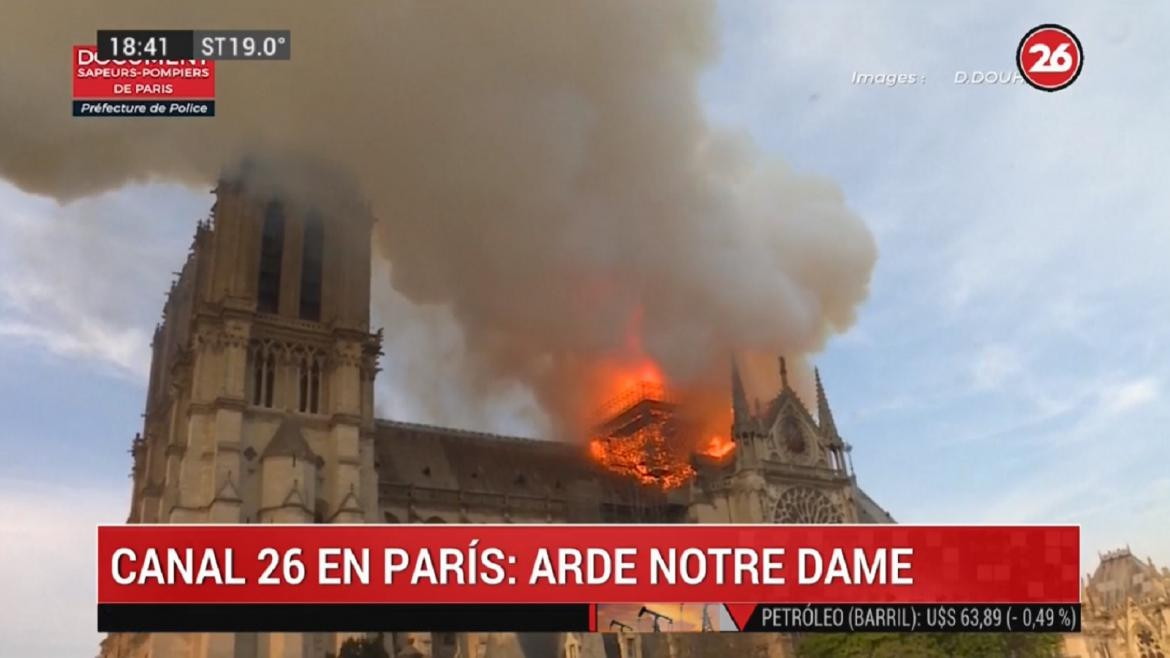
(194, 44)
(543, 618)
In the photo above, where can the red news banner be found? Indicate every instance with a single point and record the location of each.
(552, 577)
(141, 87)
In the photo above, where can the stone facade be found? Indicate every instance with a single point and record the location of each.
(260, 410)
(260, 402)
(1126, 610)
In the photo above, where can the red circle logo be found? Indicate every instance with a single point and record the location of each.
(1050, 57)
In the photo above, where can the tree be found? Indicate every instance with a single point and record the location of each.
(928, 645)
(370, 647)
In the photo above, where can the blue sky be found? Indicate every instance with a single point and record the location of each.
(1010, 364)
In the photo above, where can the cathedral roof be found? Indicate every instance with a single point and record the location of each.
(776, 407)
(1121, 576)
(430, 457)
(868, 511)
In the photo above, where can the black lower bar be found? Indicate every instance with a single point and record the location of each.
(916, 618)
(539, 618)
(241, 618)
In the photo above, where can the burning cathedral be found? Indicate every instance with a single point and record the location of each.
(260, 409)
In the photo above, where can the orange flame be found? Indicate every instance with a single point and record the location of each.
(644, 456)
(718, 447)
(649, 443)
(643, 443)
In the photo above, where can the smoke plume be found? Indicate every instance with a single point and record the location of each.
(542, 172)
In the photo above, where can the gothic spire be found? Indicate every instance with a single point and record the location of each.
(783, 374)
(824, 414)
(739, 403)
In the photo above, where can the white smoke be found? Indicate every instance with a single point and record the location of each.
(542, 172)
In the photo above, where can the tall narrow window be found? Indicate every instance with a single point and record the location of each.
(309, 376)
(311, 265)
(303, 389)
(269, 378)
(263, 376)
(315, 387)
(271, 254)
(257, 376)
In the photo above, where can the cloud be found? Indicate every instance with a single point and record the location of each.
(1013, 329)
(546, 171)
(47, 547)
(85, 280)
(427, 372)
(88, 339)
(1129, 395)
(994, 365)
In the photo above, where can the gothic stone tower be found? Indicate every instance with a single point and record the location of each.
(260, 403)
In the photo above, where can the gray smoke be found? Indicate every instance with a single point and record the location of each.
(542, 172)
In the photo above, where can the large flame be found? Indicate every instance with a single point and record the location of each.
(645, 456)
(658, 451)
(644, 427)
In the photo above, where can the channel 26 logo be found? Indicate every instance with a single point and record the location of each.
(1050, 57)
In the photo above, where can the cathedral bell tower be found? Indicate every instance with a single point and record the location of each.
(260, 402)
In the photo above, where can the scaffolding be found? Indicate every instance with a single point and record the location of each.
(636, 435)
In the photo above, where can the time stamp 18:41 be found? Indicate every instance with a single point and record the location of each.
(194, 44)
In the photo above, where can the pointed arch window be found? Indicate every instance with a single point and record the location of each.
(312, 257)
(262, 374)
(309, 384)
(271, 255)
